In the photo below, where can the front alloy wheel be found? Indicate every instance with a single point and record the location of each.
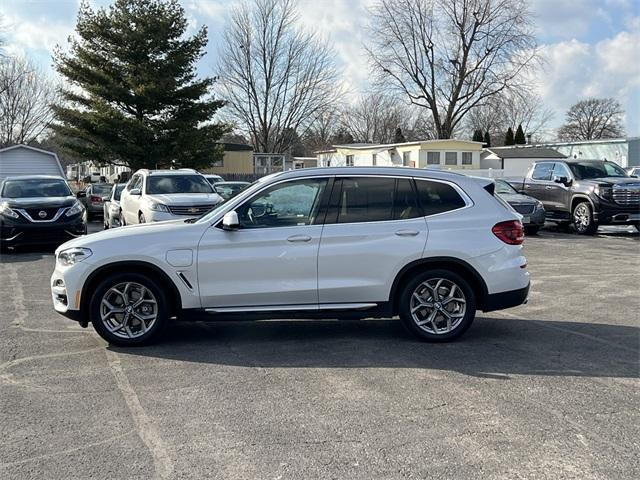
(437, 306)
(583, 219)
(128, 309)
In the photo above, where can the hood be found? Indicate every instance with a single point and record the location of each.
(612, 181)
(124, 235)
(516, 198)
(40, 202)
(176, 199)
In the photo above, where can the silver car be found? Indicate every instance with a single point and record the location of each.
(111, 207)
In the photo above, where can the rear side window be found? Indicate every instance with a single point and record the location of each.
(365, 199)
(406, 202)
(542, 171)
(437, 197)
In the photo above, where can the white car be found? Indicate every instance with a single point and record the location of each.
(429, 246)
(111, 207)
(213, 179)
(159, 195)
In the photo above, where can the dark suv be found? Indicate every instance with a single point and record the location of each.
(586, 193)
(39, 210)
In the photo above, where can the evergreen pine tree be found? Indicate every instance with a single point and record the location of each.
(477, 135)
(487, 139)
(508, 139)
(520, 139)
(134, 95)
(399, 136)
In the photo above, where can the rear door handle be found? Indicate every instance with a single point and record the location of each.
(407, 233)
(299, 238)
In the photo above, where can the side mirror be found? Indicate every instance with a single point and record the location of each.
(564, 180)
(230, 221)
(135, 191)
(81, 194)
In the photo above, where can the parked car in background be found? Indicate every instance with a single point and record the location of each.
(532, 210)
(93, 197)
(634, 171)
(111, 207)
(39, 209)
(213, 179)
(328, 243)
(228, 189)
(157, 195)
(586, 193)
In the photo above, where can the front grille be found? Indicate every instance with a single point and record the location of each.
(627, 196)
(191, 210)
(35, 213)
(524, 208)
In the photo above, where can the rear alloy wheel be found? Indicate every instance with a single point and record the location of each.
(128, 310)
(583, 219)
(437, 306)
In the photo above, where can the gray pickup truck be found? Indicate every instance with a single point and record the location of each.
(586, 193)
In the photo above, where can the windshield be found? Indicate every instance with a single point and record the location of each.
(166, 184)
(118, 192)
(587, 170)
(35, 187)
(503, 187)
(102, 189)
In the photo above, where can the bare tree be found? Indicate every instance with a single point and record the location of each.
(374, 118)
(592, 119)
(450, 56)
(509, 109)
(275, 76)
(26, 96)
(322, 131)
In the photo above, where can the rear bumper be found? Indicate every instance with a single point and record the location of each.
(502, 300)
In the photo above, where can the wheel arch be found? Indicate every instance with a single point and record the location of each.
(132, 266)
(452, 264)
(580, 198)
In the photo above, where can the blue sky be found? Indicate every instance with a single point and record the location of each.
(591, 47)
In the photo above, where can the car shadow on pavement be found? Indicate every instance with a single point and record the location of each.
(493, 348)
(26, 254)
(567, 233)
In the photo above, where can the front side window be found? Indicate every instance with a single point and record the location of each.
(438, 197)
(289, 204)
(433, 158)
(135, 182)
(560, 170)
(167, 184)
(542, 171)
(365, 199)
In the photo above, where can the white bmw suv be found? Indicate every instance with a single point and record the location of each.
(158, 195)
(432, 247)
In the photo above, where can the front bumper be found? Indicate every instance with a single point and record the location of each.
(508, 299)
(40, 233)
(612, 214)
(534, 219)
(66, 290)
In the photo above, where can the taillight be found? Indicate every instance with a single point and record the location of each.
(510, 232)
(96, 199)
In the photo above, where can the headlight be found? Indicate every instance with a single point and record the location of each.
(157, 207)
(75, 209)
(603, 192)
(539, 205)
(71, 256)
(6, 210)
(113, 208)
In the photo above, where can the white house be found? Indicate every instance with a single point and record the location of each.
(515, 161)
(447, 153)
(26, 160)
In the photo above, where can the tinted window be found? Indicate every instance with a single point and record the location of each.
(436, 197)
(504, 187)
(36, 187)
(560, 169)
(135, 182)
(366, 199)
(285, 205)
(166, 184)
(102, 189)
(118, 191)
(542, 171)
(586, 170)
(406, 201)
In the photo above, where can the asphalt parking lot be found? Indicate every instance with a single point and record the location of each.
(547, 390)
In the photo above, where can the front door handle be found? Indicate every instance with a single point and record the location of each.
(407, 233)
(299, 238)
(548, 187)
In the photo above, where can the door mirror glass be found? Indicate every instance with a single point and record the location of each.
(230, 221)
(134, 191)
(561, 179)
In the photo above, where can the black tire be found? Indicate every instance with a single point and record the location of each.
(533, 230)
(122, 220)
(405, 305)
(583, 221)
(155, 329)
(141, 218)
